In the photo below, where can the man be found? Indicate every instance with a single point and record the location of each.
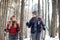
(13, 28)
(35, 24)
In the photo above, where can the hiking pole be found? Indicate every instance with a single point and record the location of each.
(43, 33)
(47, 31)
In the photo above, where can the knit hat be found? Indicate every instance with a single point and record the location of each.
(34, 12)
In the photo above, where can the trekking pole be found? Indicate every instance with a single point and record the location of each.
(46, 32)
(4, 35)
(42, 35)
(30, 37)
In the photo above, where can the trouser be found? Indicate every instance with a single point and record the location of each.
(13, 37)
(35, 36)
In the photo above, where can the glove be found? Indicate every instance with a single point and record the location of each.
(6, 30)
(27, 23)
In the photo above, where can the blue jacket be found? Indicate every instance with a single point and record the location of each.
(30, 24)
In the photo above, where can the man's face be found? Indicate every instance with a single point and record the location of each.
(33, 15)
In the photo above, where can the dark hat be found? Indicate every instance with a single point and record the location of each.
(34, 12)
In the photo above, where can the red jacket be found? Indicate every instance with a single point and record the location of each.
(16, 29)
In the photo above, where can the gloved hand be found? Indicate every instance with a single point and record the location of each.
(27, 23)
(6, 30)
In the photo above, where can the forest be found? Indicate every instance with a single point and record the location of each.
(48, 10)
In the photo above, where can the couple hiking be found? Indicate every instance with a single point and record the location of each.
(35, 23)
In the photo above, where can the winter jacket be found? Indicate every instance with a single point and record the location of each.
(31, 24)
(12, 29)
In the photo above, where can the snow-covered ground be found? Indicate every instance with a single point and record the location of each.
(47, 37)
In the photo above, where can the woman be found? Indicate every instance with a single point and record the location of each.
(13, 27)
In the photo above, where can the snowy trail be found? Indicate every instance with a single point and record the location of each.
(47, 37)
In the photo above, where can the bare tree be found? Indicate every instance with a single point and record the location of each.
(4, 6)
(43, 9)
(49, 23)
(22, 18)
(0, 21)
(59, 17)
(56, 16)
(17, 8)
(46, 6)
(38, 7)
(53, 21)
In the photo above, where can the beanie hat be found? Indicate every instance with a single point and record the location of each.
(34, 12)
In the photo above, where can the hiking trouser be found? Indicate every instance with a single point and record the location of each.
(13, 37)
(35, 36)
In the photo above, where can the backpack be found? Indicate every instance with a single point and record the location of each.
(36, 20)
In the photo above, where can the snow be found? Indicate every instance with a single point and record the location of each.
(47, 37)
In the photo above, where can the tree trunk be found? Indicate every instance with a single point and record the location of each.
(22, 18)
(4, 16)
(46, 11)
(38, 7)
(53, 21)
(59, 17)
(0, 20)
(56, 16)
(43, 9)
(17, 8)
(49, 23)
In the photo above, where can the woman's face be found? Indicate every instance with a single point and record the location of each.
(13, 18)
